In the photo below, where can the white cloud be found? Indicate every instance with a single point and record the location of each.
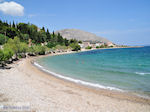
(12, 8)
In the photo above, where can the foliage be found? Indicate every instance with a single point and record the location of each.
(23, 47)
(3, 39)
(26, 31)
(59, 47)
(16, 46)
(75, 46)
(104, 46)
(88, 47)
(38, 49)
(97, 47)
(19, 35)
(51, 44)
(80, 41)
(5, 55)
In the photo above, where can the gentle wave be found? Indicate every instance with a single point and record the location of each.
(76, 80)
(141, 73)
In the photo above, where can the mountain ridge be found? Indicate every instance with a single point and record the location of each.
(81, 35)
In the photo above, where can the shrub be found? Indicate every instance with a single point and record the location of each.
(3, 39)
(75, 46)
(88, 47)
(5, 55)
(97, 47)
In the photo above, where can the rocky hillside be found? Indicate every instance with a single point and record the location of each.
(81, 35)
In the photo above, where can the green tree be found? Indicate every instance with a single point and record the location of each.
(42, 36)
(3, 39)
(14, 45)
(97, 47)
(48, 35)
(38, 49)
(60, 39)
(80, 41)
(51, 44)
(75, 46)
(5, 55)
(88, 47)
(73, 41)
(11, 32)
(23, 47)
(23, 28)
(13, 25)
(66, 42)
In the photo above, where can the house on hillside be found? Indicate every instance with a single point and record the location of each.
(110, 44)
(85, 44)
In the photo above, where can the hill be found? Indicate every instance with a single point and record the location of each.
(81, 35)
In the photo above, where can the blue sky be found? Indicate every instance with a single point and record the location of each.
(121, 21)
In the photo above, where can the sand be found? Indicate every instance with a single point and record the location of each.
(46, 93)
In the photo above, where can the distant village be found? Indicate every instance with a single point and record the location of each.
(86, 44)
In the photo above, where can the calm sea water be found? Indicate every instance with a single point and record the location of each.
(126, 69)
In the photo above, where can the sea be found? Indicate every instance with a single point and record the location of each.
(120, 69)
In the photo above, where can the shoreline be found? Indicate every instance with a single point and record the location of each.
(84, 83)
(88, 84)
(26, 83)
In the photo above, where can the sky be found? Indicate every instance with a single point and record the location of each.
(124, 22)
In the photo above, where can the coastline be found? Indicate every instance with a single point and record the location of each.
(83, 83)
(26, 83)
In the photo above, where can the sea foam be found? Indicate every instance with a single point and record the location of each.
(142, 73)
(76, 80)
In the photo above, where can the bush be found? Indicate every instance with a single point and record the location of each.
(23, 47)
(16, 46)
(80, 41)
(75, 47)
(97, 47)
(38, 50)
(59, 47)
(3, 39)
(51, 44)
(88, 47)
(5, 55)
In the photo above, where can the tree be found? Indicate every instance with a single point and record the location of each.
(24, 37)
(11, 32)
(3, 39)
(8, 53)
(23, 28)
(14, 45)
(13, 25)
(38, 49)
(51, 44)
(97, 47)
(73, 41)
(48, 35)
(75, 46)
(1, 56)
(60, 39)
(23, 47)
(88, 47)
(66, 42)
(5, 55)
(80, 41)
(43, 29)
(59, 47)
(42, 36)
